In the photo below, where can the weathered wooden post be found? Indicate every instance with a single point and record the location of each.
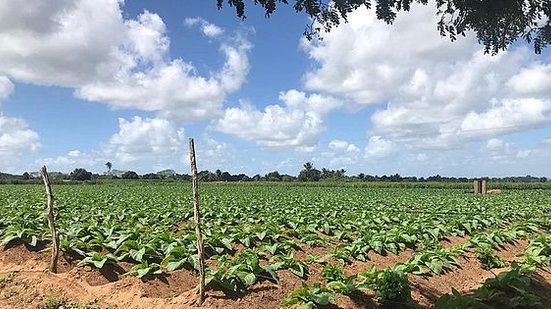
(484, 186)
(197, 219)
(480, 186)
(51, 219)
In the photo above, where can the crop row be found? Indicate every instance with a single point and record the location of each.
(150, 225)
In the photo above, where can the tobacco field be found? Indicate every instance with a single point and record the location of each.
(334, 243)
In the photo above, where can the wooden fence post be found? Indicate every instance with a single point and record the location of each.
(197, 219)
(51, 219)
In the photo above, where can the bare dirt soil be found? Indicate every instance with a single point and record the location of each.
(32, 284)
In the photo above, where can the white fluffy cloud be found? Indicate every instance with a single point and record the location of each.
(437, 94)
(502, 151)
(140, 144)
(380, 148)
(16, 138)
(88, 45)
(93, 161)
(6, 88)
(341, 154)
(532, 80)
(210, 30)
(296, 124)
(508, 115)
(139, 139)
(341, 147)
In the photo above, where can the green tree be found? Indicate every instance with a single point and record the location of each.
(309, 173)
(497, 23)
(130, 175)
(273, 176)
(80, 174)
(151, 176)
(109, 165)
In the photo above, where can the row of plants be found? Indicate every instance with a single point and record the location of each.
(151, 227)
(510, 289)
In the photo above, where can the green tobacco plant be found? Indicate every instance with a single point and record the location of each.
(456, 300)
(19, 233)
(177, 257)
(143, 269)
(98, 260)
(392, 288)
(437, 261)
(298, 268)
(538, 252)
(309, 297)
(509, 289)
(488, 258)
(241, 271)
(332, 273)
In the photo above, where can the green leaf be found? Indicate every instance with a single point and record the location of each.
(261, 235)
(321, 299)
(34, 241)
(194, 261)
(227, 243)
(249, 279)
(172, 266)
(143, 271)
(99, 264)
(298, 270)
(8, 239)
(337, 287)
(435, 266)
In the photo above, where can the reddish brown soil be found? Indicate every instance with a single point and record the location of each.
(426, 290)
(541, 285)
(511, 252)
(451, 241)
(379, 261)
(33, 284)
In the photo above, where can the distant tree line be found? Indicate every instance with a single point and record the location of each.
(308, 173)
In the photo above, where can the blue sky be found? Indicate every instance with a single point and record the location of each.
(86, 82)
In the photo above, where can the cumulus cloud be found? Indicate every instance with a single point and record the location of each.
(340, 146)
(499, 150)
(74, 159)
(508, 115)
(433, 93)
(88, 45)
(6, 88)
(380, 148)
(297, 123)
(532, 80)
(16, 138)
(210, 30)
(139, 144)
(139, 138)
(341, 154)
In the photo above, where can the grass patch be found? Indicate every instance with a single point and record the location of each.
(5, 279)
(56, 302)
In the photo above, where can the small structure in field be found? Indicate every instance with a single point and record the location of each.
(480, 186)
